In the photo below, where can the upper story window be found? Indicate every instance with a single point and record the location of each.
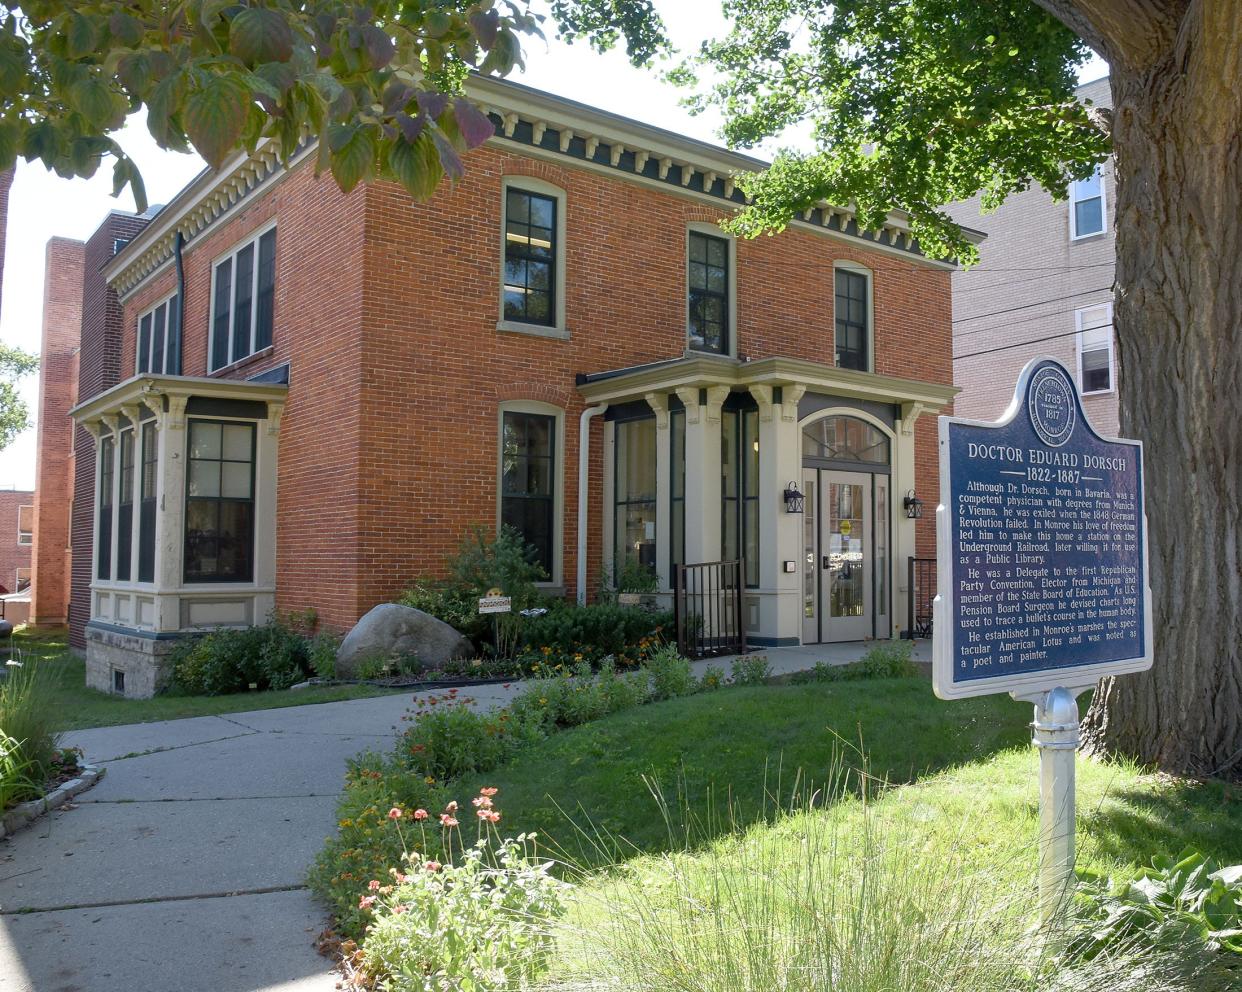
(708, 280)
(530, 257)
(1087, 205)
(242, 295)
(853, 318)
(219, 502)
(159, 337)
(25, 524)
(1095, 348)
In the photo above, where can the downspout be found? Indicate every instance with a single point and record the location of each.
(584, 476)
(178, 244)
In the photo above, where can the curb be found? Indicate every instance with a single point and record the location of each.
(26, 813)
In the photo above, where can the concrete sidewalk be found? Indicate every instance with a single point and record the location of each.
(184, 869)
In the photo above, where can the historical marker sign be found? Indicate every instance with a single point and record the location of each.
(1042, 548)
(495, 604)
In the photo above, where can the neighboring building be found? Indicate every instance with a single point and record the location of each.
(314, 395)
(54, 457)
(16, 538)
(1044, 286)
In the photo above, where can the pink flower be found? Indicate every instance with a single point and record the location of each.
(420, 814)
(447, 821)
(366, 902)
(432, 866)
(488, 791)
(490, 815)
(394, 813)
(400, 908)
(451, 807)
(373, 885)
(483, 802)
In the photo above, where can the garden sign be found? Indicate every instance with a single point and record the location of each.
(1041, 576)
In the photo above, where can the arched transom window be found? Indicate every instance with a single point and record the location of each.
(845, 439)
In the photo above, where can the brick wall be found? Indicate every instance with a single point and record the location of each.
(12, 554)
(99, 367)
(54, 453)
(386, 311)
(1019, 303)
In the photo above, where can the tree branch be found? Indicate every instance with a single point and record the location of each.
(1136, 33)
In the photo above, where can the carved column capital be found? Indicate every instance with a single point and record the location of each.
(275, 410)
(176, 412)
(659, 405)
(762, 394)
(111, 421)
(130, 412)
(909, 414)
(716, 395)
(689, 396)
(791, 396)
(155, 403)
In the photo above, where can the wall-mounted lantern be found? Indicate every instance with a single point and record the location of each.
(794, 500)
(913, 505)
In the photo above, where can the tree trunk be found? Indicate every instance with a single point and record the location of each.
(1178, 315)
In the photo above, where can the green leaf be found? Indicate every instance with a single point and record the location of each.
(416, 167)
(8, 144)
(125, 29)
(81, 35)
(260, 34)
(215, 115)
(92, 98)
(164, 106)
(352, 155)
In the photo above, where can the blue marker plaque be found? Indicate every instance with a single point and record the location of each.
(1041, 546)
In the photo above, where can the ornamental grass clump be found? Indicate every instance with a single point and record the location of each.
(28, 742)
(473, 918)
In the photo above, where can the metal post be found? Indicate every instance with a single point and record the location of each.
(1056, 736)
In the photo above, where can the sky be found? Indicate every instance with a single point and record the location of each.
(42, 205)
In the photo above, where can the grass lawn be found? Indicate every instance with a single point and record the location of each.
(78, 707)
(966, 767)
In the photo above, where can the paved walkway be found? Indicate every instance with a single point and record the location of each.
(183, 870)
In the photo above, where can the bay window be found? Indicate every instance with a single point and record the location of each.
(219, 504)
(634, 527)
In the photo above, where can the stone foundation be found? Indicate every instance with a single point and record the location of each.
(140, 658)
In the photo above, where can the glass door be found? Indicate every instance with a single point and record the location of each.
(810, 558)
(845, 571)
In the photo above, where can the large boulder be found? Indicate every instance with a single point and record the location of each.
(393, 631)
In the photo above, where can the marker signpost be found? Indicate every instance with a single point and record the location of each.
(1041, 577)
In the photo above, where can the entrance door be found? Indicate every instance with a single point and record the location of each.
(838, 558)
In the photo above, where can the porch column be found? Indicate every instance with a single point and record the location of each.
(703, 467)
(170, 513)
(659, 405)
(904, 545)
(780, 533)
(113, 423)
(265, 496)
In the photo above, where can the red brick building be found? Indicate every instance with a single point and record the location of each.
(54, 454)
(16, 538)
(319, 393)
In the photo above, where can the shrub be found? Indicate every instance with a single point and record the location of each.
(713, 678)
(478, 921)
(28, 742)
(1189, 898)
(671, 675)
(568, 634)
(561, 701)
(887, 660)
(448, 738)
(322, 651)
(481, 564)
(268, 657)
(751, 669)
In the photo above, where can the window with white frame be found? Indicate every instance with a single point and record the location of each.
(159, 338)
(1087, 215)
(1095, 348)
(242, 296)
(25, 524)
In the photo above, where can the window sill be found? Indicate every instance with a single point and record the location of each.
(242, 363)
(532, 330)
(1079, 238)
(1098, 392)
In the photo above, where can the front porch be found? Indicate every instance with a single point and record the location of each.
(806, 472)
